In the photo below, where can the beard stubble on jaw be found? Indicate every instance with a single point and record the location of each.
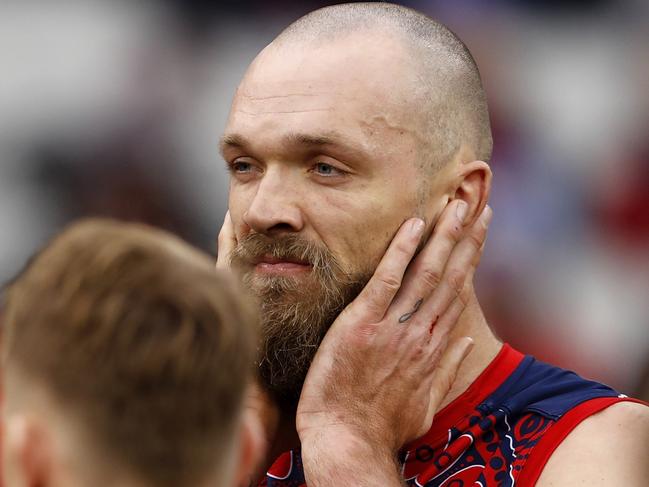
(295, 312)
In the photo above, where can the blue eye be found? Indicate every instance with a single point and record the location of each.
(325, 169)
(241, 167)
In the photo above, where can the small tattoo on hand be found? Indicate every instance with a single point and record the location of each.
(408, 315)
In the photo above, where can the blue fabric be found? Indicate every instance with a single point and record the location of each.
(544, 389)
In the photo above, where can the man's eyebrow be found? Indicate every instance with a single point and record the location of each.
(332, 139)
(307, 139)
(232, 140)
(298, 139)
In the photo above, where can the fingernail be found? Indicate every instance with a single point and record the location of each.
(461, 210)
(468, 345)
(416, 226)
(485, 218)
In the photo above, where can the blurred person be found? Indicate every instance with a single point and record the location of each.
(125, 358)
(354, 119)
(166, 343)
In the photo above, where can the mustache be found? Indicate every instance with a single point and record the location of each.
(285, 247)
(295, 313)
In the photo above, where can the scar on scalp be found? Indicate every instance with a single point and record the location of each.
(272, 97)
(408, 315)
(284, 111)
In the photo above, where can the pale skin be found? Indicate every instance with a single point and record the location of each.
(319, 138)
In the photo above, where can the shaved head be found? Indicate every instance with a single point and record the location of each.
(354, 119)
(449, 95)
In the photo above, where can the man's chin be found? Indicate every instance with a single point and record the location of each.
(288, 287)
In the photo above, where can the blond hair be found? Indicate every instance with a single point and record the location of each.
(137, 335)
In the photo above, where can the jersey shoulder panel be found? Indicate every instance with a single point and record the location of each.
(544, 389)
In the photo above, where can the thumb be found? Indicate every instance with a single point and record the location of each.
(226, 243)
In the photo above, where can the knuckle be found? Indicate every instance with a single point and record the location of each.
(465, 295)
(373, 300)
(431, 277)
(455, 279)
(464, 298)
(403, 247)
(388, 283)
(476, 241)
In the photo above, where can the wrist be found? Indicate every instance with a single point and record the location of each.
(345, 440)
(339, 456)
(336, 426)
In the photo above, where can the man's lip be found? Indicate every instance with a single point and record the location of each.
(268, 259)
(282, 268)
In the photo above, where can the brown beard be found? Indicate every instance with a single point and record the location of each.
(295, 312)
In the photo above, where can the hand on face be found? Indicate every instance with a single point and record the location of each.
(385, 365)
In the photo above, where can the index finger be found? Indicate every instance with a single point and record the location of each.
(375, 298)
(427, 270)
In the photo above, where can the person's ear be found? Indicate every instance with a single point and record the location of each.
(28, 455)
(474, 186)
(251, 448)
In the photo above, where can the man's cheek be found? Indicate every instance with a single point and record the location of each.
(365, 258)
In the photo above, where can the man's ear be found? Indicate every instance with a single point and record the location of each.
(474, 187)
(28, 455)
(251, 448)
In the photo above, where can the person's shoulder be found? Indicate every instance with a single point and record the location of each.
(610, 447)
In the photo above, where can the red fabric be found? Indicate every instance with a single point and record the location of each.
(463, 406)
(551, 440)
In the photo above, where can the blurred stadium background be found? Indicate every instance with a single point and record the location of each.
(115, 108)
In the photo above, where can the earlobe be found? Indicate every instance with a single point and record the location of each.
(27, 455)
(474, 186)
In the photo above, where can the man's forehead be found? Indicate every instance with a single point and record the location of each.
(343, 68)
(290, 95)
(348, 87)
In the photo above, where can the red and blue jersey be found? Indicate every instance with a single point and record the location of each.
(500, 432)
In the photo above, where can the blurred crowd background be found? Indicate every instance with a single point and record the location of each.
(115, 108)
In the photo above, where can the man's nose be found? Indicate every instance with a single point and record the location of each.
(274, 207)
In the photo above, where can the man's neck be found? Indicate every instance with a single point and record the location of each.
(473, 324)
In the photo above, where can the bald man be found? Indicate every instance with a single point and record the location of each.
(355, 119)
